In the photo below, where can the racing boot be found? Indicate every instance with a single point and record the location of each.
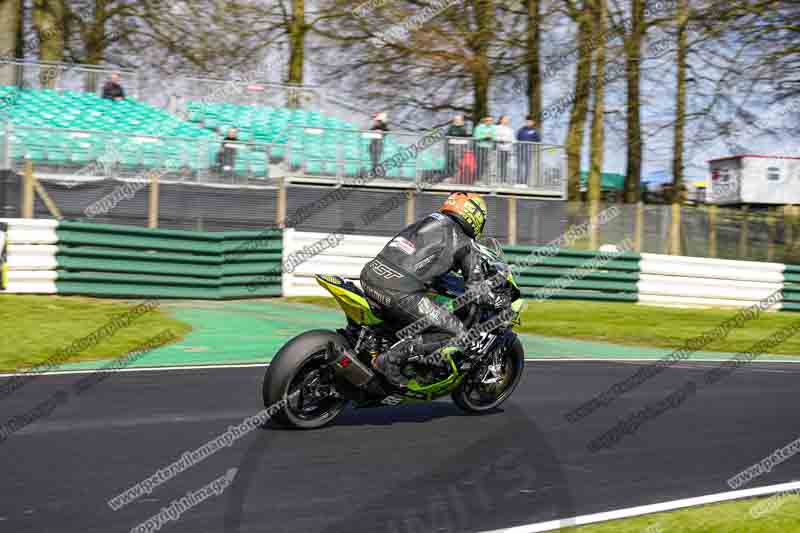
(391, 362)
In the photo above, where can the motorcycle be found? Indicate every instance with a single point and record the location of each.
(315, 375)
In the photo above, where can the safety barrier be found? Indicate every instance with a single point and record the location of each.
(614, 279)
(346, 260)
(700, 281)
(127, 261)
(544, 273)
(45, 256)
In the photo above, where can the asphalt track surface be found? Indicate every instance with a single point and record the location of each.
(425, 468)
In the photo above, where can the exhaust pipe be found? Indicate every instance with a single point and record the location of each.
(349, 367)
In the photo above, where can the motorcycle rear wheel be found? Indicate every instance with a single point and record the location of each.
(298, 366)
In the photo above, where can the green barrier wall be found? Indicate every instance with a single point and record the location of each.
(791, 288)
(127, 261)
(574, 274)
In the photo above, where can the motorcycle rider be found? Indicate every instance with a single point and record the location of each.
(397, 280)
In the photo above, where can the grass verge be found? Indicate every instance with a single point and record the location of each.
(36, 326)
(640, 325)
(773, 514)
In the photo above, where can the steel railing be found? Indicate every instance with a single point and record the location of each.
(65, 76)
(96, 154)
(416, 159)
(340, 154)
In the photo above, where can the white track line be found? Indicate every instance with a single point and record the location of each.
(255, 365)
(649, 509)
(135, 369)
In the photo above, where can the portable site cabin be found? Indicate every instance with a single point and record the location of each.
(754, 179)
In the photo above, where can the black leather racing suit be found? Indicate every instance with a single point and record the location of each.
(409, 265)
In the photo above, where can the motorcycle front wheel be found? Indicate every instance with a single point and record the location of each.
(488, 385)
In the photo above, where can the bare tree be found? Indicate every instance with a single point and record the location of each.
(680, 99)
(584, 17)
(600, 9)
(533, 42)
(412, 56)
(49, 18)
(10, 11)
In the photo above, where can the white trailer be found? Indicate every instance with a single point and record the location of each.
(754, 179)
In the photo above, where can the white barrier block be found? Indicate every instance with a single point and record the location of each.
(722, 272)
(18, 235)
(712, 262)
(704, 288)
(32, 257)
(31, 282)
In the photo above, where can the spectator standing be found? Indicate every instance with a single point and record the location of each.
(484, 137)
(504, 135)
(456, 146)
(112, 90)
(376, 145)
(525, 151)
(226, 158)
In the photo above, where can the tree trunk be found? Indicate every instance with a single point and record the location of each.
(95, 38)
(633, 54)
(9, 33)
(680, 102)
(297, 37)
(533, 45)
(577, 118)
(48, 19)
(481, 72)
(597, 137)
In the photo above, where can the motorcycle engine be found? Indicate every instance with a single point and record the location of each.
(425, 374)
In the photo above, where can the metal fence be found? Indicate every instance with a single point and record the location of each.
(337, 154)
(65, 76)
(766, 234)
(81, 154)
(245, 92)
(213, 207)
(321, 154)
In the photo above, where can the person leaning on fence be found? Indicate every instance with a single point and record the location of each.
(504, 135)
(527, 134)
(226, 158)
(112, 90)
(376, 145)
(456, 150)
(484, 137)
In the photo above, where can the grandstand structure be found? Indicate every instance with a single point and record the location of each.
(288, 146)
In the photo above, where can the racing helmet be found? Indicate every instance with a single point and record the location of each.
(469, 209)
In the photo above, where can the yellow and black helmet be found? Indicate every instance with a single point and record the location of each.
(469, 208)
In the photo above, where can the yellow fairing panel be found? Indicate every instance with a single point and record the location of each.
(354, 305)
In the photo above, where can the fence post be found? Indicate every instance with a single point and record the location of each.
(154, 197)
(512, 220)
(27, 190)
(594, 239)
(5, 157)
(744, 236)
(771, 234)
(639, 230)
(712, 231)
(675, 230)
(411, 200)
(788, 228)
(280, 211)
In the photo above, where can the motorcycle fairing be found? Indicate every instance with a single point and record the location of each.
(350, 299)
